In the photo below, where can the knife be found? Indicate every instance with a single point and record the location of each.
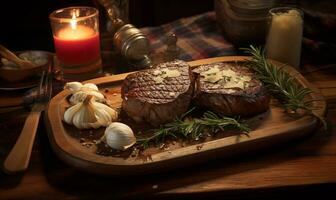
(18, 158)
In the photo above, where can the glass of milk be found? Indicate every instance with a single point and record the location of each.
(284, 36)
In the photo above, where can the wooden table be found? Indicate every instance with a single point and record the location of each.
(305, 167)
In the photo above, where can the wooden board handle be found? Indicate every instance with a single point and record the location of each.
(18, 159)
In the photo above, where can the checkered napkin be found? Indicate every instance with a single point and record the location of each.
(198, 37)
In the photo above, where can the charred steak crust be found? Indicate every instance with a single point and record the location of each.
(155, 97)
(247, 101)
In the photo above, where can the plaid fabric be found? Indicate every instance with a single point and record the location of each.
(198, 37)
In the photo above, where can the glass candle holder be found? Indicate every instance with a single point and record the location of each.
(76, 39)
(284, 37)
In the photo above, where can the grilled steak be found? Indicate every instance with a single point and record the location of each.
(230, 89)
(160, 94)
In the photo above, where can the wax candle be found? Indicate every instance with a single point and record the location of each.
(285, 36)
(76, 46)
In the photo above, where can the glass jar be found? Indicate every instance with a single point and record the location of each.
(77, 43)
(284, 36)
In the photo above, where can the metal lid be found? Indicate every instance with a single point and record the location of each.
(131, 42)
(135, 47)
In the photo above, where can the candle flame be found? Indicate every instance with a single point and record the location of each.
(73, 21)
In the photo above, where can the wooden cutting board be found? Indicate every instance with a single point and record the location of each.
(77, 149)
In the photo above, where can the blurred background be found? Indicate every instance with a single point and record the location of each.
(25, 24)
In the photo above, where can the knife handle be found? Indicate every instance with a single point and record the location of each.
(18, 158)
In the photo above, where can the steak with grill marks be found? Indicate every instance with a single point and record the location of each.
(160, 94)
(230, 89)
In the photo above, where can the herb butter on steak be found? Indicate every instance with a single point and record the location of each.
(230, 89)
(158, 95)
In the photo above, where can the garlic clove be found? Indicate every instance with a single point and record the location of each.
(90, 86)
(81, 96)
(70, 112)
(105, 112)
(73, 86)
(85, 118)
(119, 136)
(80, 92)
(104, 117)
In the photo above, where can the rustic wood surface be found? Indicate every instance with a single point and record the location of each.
(304, 167)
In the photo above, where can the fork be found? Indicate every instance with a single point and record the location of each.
(18, 158)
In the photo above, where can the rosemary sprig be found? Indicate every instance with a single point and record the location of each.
(193, 128)
(280, 83)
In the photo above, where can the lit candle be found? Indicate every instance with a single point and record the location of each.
(77, 44)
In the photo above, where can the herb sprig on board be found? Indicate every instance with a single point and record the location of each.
(281, 84)
(193, 128)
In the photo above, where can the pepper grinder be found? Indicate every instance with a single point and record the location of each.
(128, 40)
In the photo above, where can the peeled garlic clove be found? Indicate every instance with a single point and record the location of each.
(119, 136)
(73, 86)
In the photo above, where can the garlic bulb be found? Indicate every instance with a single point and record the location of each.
(80, 92)
(80, 96)
(119, 136)
(90, 114)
